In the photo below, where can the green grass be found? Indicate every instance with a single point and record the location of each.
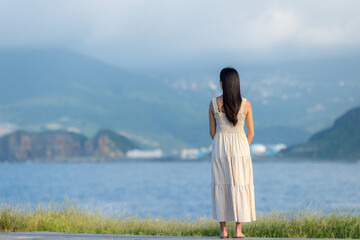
(70, 218)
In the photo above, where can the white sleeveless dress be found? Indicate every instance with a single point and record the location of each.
(232, 188)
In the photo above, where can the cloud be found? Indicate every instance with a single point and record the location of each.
(143, 31)
(270, 28)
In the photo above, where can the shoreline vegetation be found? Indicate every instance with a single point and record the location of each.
(70, 218)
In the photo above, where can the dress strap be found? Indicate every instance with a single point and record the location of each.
(242, 105)
(216, 109)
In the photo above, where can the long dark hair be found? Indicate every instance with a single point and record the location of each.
(231, 93)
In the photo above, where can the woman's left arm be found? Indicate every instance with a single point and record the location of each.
(249, 123)
(212, 122)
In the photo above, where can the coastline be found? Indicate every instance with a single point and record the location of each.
(97, 159)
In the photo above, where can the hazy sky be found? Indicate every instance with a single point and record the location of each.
(153, 33)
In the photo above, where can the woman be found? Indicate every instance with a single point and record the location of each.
(232, 189)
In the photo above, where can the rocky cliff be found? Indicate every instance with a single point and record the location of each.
(52, 145)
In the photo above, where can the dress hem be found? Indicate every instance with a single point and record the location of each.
(233, 220)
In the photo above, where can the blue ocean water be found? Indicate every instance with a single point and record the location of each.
(177, 189)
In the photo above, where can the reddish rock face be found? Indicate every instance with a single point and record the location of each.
(103, 146)
(21, 145)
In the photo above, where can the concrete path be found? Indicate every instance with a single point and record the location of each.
(83, 236)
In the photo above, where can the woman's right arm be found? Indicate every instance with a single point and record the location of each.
(249, 123)
(212, 121)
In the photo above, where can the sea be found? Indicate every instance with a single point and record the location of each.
(177, 189)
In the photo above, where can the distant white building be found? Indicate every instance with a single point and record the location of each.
(189, 153)
(258, 149)
(137, 153)
(266, 150)
(275, 148)
(204, 149)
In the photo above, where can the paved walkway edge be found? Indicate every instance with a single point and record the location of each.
(82, 236)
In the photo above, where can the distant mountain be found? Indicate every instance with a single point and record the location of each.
(68, 89)
(61, 145)
(339, 142)
(44, 89)
(107, 142)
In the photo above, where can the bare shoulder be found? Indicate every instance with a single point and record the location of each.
(219, 100)
(211, 108)
(247, 107)
(248, 103)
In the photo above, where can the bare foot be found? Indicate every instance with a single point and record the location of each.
(239, 234)
(224, 234)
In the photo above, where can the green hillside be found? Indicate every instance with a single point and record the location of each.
(340, 141)
(72, 90)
